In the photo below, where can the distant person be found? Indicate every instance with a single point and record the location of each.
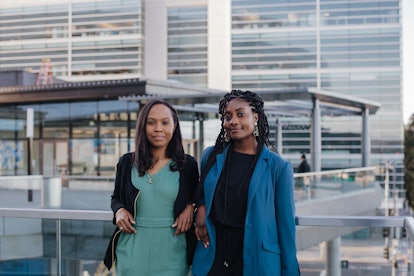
(302, 182)
(153, 198)
(246, 212)
(303, 166)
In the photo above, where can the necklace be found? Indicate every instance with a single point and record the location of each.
(149, 178)
(150, 181)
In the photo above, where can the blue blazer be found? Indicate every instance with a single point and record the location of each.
(270, 231)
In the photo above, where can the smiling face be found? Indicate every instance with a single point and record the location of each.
(160, 126)
(239, 120)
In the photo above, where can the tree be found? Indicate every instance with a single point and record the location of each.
(409, 161)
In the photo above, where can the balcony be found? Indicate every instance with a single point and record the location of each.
(47, 228)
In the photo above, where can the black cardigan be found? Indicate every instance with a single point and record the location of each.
(124, 195)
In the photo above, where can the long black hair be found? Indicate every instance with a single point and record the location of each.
(257, 104)
(143, 158)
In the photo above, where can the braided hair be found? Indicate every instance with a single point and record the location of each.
(257, 104)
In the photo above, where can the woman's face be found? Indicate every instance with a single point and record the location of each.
(160, 126)
(239, 120)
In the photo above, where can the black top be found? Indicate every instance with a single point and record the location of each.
(303, 167)
(230, 198)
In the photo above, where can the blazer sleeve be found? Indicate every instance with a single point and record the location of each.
(117, 202)
(285, 215)
(193, 176)
(199, 193)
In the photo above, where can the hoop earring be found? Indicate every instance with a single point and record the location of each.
(255, 130)
(226, 137)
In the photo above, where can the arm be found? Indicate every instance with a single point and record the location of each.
(116, 202)
(201, 229)
(122, 217)
(185, 219)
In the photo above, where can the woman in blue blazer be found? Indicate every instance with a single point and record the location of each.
(246, 214)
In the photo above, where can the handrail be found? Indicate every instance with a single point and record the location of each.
(307, 220)
(112, 177)
(56, 213)
(359, 169)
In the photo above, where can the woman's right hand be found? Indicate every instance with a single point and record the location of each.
(201, 229)
(125, 221)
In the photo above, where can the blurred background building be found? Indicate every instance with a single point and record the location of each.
(349, 47)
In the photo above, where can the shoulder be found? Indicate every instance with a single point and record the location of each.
(190, 160)
(274, 158)
(207, 151)
(271, 155)
(127, 158)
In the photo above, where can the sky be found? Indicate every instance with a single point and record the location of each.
(408, 59)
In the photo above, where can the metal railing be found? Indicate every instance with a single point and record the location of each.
(313, 185)
(311, 220)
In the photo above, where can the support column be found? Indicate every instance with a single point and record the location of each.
(279, 142)
(316, 140)
(333, 257)
(201, 136)
(219, 44)
(366, 141)
(156, 54)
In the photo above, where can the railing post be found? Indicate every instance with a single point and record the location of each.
(333, 257)
(412, 259)
(58, 248)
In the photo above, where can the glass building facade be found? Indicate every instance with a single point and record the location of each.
(79, 138)
(187, 45)
(103, 39)
(349, 47)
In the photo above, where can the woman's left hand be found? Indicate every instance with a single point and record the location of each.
(184, 221)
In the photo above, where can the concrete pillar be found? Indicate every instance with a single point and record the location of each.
(219, 44)
(52, 192)
(333, 257)
(366, 141)
(155, 66)
(316, 137)
(201, 136)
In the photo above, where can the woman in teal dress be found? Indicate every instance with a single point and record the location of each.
(153, 198)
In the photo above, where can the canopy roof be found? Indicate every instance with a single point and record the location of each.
(279, 102)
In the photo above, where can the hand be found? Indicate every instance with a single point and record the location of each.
(201, 229)
(184, 220)
(125, 221)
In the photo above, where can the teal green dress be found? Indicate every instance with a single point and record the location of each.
(153, 250)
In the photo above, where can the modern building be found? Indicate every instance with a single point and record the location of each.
(349, 47)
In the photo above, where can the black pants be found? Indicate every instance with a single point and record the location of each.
(228, 260)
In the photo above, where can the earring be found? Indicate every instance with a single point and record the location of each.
(255, 130)
(226, 137)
